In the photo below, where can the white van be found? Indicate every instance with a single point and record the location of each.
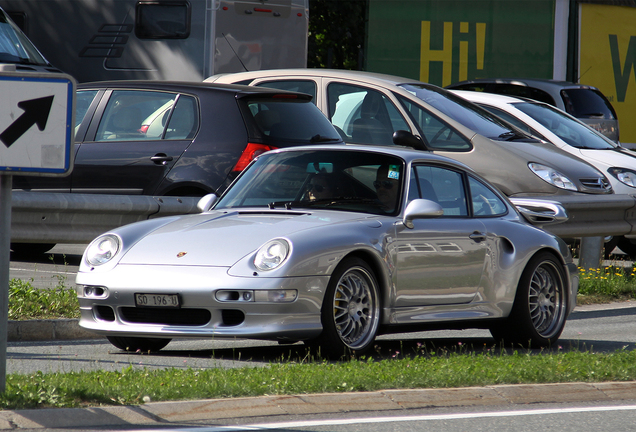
(178, 40)
(16, 49)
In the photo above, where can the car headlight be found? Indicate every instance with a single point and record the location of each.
(272, 254)
(103, 249)
(552, 176)
(624, 175)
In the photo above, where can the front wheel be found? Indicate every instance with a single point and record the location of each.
(350, 310)
(138, 343)
(539, 311)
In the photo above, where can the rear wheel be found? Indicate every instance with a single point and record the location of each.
(350, 311)
(539, 311)
(138, 343)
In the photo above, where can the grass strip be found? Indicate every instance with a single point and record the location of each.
(132, 386)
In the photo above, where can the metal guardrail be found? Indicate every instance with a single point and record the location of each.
(595, 215)
(42, 217)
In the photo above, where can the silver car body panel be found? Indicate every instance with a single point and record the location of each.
(434, 273)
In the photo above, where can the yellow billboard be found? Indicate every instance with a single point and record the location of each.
(607, 59)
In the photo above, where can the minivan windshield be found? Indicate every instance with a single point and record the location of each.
(565, 127)
(470, 115)
(15, 47)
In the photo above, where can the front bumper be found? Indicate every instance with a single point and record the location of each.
(112, 312)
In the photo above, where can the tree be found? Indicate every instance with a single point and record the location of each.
(337, 30)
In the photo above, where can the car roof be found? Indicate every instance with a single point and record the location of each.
(409, 155)
(188, 86)
(544, 84)
(368, 77)
(477, 96)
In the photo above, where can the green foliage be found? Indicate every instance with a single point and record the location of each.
(614, 283)
(420, 369)
(336, 34)
(26, 302)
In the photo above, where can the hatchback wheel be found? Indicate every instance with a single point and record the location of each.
(539, 311)
(350, 310)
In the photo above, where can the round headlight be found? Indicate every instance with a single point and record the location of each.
(552, 176)
(272, 254)
(624, 175)
(102, 249)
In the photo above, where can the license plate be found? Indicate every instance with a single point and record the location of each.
(157, 300)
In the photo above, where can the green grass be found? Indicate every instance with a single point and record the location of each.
(614, 283)
(26, 302)
(417, 370)
(422, 368)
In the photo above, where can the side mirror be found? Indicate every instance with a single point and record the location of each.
(407, 139)
(540, 212)
(206, 202)
(421, 209)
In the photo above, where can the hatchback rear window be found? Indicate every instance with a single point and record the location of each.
(587, 103)
(280, 121)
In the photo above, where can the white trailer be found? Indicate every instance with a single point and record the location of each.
(187, 40)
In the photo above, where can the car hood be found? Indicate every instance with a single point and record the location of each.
(619, 157)
(505, 164)
(221, 238)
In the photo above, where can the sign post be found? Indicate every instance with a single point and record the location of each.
(37, 122)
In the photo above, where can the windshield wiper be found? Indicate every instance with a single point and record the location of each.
(320, 138)
(512, 136)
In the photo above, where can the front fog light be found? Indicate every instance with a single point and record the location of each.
(275, 296)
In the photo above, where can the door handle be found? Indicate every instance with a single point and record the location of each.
(161, 158)
(477, 236)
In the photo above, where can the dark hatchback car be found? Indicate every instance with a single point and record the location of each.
(584, 102)
(178, 139)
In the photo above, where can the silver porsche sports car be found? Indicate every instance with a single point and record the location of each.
(333, 245)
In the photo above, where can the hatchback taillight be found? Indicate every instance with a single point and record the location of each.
(249, 154)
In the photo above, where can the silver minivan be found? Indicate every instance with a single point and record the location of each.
(584, 102)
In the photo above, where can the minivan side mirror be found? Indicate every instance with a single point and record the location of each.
(407, 139)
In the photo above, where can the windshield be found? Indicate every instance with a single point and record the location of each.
(565, 127)
(459, 109)
(309, 179)
(15, 47)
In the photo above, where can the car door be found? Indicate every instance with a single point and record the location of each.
(440, 260)
(135, 138)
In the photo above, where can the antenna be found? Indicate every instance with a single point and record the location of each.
(237, 57)
(578, 80)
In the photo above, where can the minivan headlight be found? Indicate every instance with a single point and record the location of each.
(103, 249)
(552, 176)
(624, 175)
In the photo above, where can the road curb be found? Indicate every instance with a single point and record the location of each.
(215, 411)
(47, 329)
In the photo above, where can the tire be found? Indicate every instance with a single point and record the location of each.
(138, 343)
(350, 311)
(539, 311)
(31, 249)
(627, 246)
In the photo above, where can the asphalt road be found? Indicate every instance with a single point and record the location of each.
(58, 266)
(597, 328)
